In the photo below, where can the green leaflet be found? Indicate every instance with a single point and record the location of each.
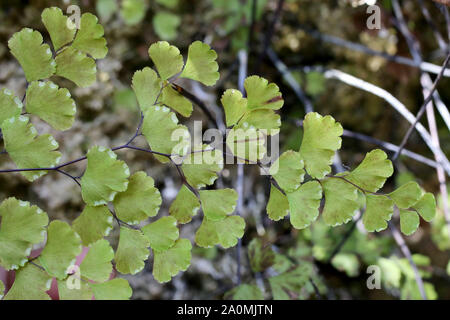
(97, 265)
(2, 289)
(261, 255)
(391, 272)
(261, 94)
(132, 251)
(406, 195)
(163, 133)
(106, 9)
(340, 201)
(346, 262)
(10, 106)
(373, 171)
(288, 171)
(201, 64)
(21, 226)
(93, 224)
(53, 105)
(60, 28)
(35, 57)
(289, 283)
(171, 4)
(185, 205)
(71, 292)
(140, 201)
(167, 264)
(167, 59)
(426, 207)
(76, 66)
(379, 210)
(89, 38)
(245, 292)
(62, 247)
(321, 139)
(166, 25)
(304, 204)
(162, 233)
(225, 232)
(31, 283)
(201, 168)
(278, 205)
(218, 204)
(246, 144)
(409, 221)
(146, 86)
(171, 98)
(115, 289)
(28, 150)
(105, 176)
(262, 119)
(133, 11)
(234, 105)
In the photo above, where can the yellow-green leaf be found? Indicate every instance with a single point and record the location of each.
(340, 201)
(234, 105)
(132, 251)
(426, 207)
(76, 66)
(225, 232)
(31, 283)
(162, 233)
(10, 106)
(304, 204)
(217, 204)
(261, 94)
(97, 265)
(146, 86)
(278, 205)
(379, 210)
(201, 64)
(89, 38)
(173, 99)
(409, 221)
(288, 171)
(93, 224)
(167, 59)
(60, 28)
(167, 264)
(406, 195)
(115, 289)
(185, 205)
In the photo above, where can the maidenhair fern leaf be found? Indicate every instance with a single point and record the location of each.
(35, 57)
(105, 176)
(247, 145)
(321, 139)
(28, 150)
(166, 24)
(185, 205)
(133, 11)
(409, 221)
(373, 171)
(218, 204)
(162, 233)
(62, 247)
(2, 289)
(340, 201)
(167, 264)
(173, 99)
(115, 289)
(260, 119)
(225, 232)
(201, 64)
(426, 207)
(140, 201)
(278, 205)
(261, 94)
(406, 195)
(288, 171)
(31, 283)
(21, 226)
(97, 265)
(234, 105)
(163, 133)
(146, 86)
(76, 66)
(245, 292)
(72, 291)
(59, 26)
(89, 38)
(132, 251)
(167, 59)
(51, 104)
(379, 210)
(10, 106)
(93, 224)
(290, 282)
(304, 204)
(201, 167)
(261, 255)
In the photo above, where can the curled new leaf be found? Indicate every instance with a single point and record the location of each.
(10, 106)
(132, 251)
(89, 38)
(35, 57)
(185, 205)
(60, 28)
(93, 224)
(62, 247)
(105, 176)
(51, 104)
(321, 139)
(28, 150)
(76, 66)
(167, 264)
(217, 204)
(167, 59)
(201, 64)
(21, 226)
(140, 201)
(162, 233)
(304, 204)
